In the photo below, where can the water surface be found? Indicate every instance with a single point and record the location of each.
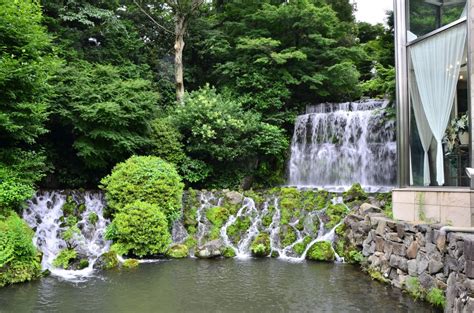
(229, 285)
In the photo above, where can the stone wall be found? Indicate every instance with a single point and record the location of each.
(396, 251)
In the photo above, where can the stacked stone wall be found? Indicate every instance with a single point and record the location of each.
(400, 252)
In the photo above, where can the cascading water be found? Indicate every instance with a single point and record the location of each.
(337, 145)
(46, 216)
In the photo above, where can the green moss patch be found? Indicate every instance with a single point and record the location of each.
(178, 251)
(321, 251)
(260, 247)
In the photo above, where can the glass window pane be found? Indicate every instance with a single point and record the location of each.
(425, 16)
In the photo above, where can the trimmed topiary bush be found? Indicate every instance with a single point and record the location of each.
(260, 247)
(140, 229)
(19, 259)
(145, 178)
(321, 251)
(178, 251)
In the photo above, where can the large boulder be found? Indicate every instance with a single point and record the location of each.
(211, 249)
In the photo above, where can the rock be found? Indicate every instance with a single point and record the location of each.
(420, 239)
(380, 230)
(398, 262)
(427, 281)
(368, 249)
(393, 237)
(412, 250)
(399, 249)
(421, 263)
(367, 208)
(177, 251)
(321, 251)
(412, 267)
(379, 243)
(401, 230)
(435, 265)
(234, 197)
(107, 261)
(468, 306)
(211, 249)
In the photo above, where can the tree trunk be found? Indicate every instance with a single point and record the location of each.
(180, 29)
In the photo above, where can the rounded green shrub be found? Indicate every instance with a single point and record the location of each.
(140, 229)
(145, 178)
(228, 252)
(178, 251)
(321, 251)
(19, 259)
(260, 247)
(64, 258)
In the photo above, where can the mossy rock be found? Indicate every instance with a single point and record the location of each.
(240, 226)
(65, 258)
(321, 251)
(107, 261)
(301, 246)
(260, 246)
(130, 263)
(355, 193)
(93, 218)
(228, 252)
(287, 235)
(178, 251)
(335, 213)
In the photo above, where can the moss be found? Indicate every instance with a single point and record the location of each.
(69, 206)
(228, 252)
(354, 256)
(301, 246)
(354, 193)
(256, 196)
(436, 297)
(109, 260)
(315, 200)
(217, 215)
(130, 263)
(376, 275)
(321, 251)
(260, 247)
(241, 225)
(335, 213)
(341, 229)
(287, 235)
(83, 263)
(93, 218)
(81, 208)
(64, 258)
(178, 251)
(190, 242)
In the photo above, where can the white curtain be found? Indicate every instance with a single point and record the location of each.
(423, 127)
(436, 62)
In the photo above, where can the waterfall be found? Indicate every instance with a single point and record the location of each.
(337, 144)
(45, 215)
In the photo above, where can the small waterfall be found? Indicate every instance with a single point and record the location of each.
(45, 215)
(337, 144)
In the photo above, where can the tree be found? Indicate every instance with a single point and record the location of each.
(182, 11)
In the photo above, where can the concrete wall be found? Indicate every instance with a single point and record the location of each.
(448, 206)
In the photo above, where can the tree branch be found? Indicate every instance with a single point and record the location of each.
(152, 19)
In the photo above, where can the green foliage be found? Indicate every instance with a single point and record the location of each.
(93, 218)
(130, 263)
(355, 193)
(83, 263)
(13, 194)
(217, 216)
(413, 286)
(19, 260)
(217, 131)
(228, 252)
(148, 179)
(177, 251)
(436, 297)
(335, 214)
(300, 247)
(140, 229)
(321, 251)
(376, 275)
(109, 260)
(260, 246)
(64, 258)
(355, 256)
(102, 113)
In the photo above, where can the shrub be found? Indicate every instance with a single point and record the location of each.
(321, 251)
(140, 229)
(19, 260)
(261, 245)
(64, 258)
(13, 194)
(436, 297)
(145, 178)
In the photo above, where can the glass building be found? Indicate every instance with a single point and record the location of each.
(434, 60)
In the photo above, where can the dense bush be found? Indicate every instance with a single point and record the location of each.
(234, 143)
(19, 260)
(145, 178)
(140, 229)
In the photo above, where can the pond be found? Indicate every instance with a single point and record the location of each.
(223, 285)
